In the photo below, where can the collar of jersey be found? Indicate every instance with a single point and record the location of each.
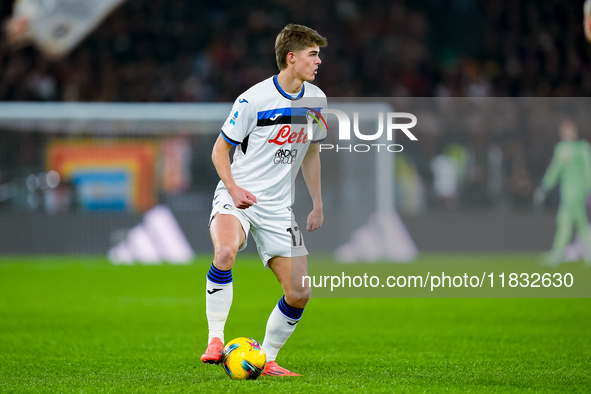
(285, 94)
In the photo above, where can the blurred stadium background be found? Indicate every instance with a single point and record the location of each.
(71, 187)
(92, 141)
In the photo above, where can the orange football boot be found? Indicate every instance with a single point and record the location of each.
(272, 369)
(213, 354)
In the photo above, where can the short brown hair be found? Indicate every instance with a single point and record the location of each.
(295, 38)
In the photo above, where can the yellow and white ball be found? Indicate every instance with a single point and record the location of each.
(243, 358)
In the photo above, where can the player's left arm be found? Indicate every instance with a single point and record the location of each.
(587, 164)
(311, 172)
(554, 170)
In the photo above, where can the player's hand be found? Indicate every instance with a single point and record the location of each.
(539, 197)
(242, 198)
(315, 220)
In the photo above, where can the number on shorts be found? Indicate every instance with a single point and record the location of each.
(295, 235)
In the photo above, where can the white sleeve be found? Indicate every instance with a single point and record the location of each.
(240, 122)
(320, 127)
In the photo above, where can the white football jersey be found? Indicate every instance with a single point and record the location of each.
(269, 129)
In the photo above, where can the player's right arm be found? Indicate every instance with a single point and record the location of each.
(553, 172)
(221, 161)
(549, 180)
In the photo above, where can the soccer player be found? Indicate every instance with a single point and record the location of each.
(255, 191)
(571, 166)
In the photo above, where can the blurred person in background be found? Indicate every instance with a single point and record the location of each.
(571, 166)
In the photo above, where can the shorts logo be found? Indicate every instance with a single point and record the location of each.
(285, 156)
(229, 207)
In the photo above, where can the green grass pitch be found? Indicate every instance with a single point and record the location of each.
(79, 324)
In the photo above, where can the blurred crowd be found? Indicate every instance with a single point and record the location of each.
(198, 51)
(179, 51)
(485, 152)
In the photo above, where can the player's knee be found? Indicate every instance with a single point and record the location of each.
(299, 303)
(224, 257)
(301, 290)
(298, 297)
(306, 293)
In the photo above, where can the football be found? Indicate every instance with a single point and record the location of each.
(243, 358)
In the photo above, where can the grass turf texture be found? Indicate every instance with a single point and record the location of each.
(80, 324)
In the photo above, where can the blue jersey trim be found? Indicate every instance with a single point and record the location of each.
(289, 111)
(287, 95)
(272, 112)
(229, 140)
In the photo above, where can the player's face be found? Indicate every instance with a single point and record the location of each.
(306, 63)
(568, 131)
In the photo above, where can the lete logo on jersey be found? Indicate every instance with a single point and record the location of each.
(285, 136)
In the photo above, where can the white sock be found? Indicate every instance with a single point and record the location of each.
(218, 300)
(279, 328)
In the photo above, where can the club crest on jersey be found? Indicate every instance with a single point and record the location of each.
(234, 117)
(315, 116)
(286, 136)
(229, 207)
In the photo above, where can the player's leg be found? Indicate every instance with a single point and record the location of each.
(288, 311)
(289, 271)
(227, 235)
(582, 226)
(564, 233)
